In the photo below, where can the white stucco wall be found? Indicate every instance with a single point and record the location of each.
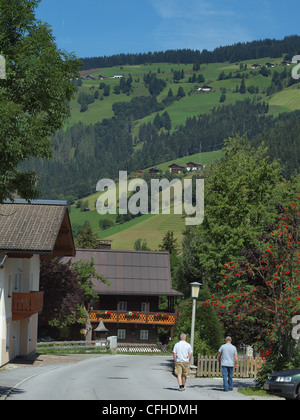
(18, 275)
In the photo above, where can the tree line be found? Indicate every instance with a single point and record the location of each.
(83, 154)
(289, 45)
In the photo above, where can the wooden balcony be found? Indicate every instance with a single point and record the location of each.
(133, 317)
(25, 305)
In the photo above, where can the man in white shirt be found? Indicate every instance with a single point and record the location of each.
(182, 353)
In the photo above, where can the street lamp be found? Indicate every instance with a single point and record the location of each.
(195, 287)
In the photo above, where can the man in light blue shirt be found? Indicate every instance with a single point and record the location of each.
(228, 355)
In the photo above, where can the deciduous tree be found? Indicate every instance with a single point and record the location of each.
(63, 294)
(241, 193)
(34, 96)
(261, 291)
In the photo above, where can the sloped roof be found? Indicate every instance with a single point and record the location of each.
(131, 272)
(41, 227)
(176, 165)
(101, 327)
(194, 163)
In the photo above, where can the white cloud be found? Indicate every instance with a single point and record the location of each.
(189, 9)
(197, 24)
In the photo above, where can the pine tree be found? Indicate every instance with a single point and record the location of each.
(242, 87)
(169, 243)
(87, 238)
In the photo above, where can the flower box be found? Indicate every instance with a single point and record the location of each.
(161, 316)
(132, 314)
(104, 314)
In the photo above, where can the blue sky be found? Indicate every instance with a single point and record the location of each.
(98, 27)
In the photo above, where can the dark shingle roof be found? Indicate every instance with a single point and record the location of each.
(32, 228)
(131, 272)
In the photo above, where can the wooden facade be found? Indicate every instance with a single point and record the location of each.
(24, 305)
(154, 171)
(139, 322)
(176, 168)
(130, 304)
(193, 166)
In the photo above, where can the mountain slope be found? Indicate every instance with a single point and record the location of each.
(84, 154)
(156, 113)
(150, 227)
(179, 121)
(193, 103)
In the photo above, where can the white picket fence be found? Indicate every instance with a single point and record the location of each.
(142, 348)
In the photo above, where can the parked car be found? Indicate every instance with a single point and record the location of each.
(284, 384)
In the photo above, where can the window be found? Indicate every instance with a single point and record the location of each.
(9, 289)
(121, 334)
(31, 286)
(7, 335)
(18, 282)
(29, 329)
(144, 334)
(122, 306)
(145, 307)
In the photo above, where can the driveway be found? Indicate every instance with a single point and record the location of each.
(109, 378)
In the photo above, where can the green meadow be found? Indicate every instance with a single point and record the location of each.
(153, 227)
(149, 226)
(194, 103)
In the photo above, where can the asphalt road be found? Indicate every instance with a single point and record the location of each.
(119, 377)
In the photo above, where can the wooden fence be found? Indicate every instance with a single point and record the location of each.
(72, 345)
(142, 348)
(121, 347)
(208, 366)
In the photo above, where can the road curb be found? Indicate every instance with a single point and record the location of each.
(7, 393)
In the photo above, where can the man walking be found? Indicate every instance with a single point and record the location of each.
(182, 353)
(228, 354)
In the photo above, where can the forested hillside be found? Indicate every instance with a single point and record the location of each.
(138, 115)
(107, 146)
(254, 50)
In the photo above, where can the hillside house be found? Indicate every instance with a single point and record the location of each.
(203, 88)
(154, 171)
(175, 168)
(193, 166)
(90, 77)
(139, 173)
(255, 67)
(28, 233)
(206, 88)
(129, 305)
(117, 76)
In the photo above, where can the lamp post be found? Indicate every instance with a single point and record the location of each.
(195, 287)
